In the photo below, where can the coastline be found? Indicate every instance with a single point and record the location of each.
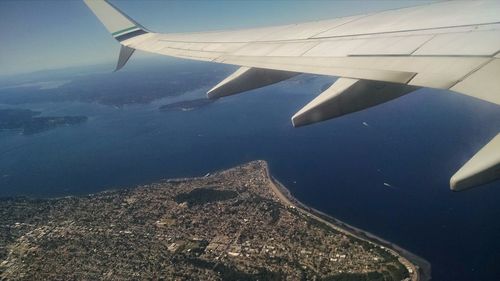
(418, 265)
(419, 268)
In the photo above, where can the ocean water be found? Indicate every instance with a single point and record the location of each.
(385, 169)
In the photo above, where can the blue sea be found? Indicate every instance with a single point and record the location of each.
(384, 170)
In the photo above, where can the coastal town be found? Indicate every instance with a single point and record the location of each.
(236, 224)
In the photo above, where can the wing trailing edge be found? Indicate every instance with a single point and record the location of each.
(482, 83)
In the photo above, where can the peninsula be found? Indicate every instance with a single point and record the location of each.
(187, 105)
(237, 224)
(29, 123)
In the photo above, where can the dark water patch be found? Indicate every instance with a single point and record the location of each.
(205, 195)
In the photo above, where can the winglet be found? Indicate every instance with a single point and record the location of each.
(116, 22)
(125, 54)
(119, 25)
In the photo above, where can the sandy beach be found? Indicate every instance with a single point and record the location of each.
(419, 268)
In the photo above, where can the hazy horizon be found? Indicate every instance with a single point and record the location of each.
(49, 35)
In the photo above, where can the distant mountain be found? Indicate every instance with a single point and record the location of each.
(138, 83)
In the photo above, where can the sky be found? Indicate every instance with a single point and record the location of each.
(47, 35)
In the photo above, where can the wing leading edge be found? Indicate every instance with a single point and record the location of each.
(378, 56)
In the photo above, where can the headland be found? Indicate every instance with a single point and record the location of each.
(236, 224)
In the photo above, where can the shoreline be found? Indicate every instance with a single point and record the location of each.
(419, 266)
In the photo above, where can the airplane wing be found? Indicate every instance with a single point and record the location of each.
(378, 57)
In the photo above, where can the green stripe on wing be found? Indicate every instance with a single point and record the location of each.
(119, 32)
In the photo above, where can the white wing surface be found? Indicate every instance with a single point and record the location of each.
(452, 45)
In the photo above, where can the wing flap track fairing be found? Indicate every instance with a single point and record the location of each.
(348, 95)
(246, 79)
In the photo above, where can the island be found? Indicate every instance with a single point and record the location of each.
(187, 105)
(28, 121)
(236, 224)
